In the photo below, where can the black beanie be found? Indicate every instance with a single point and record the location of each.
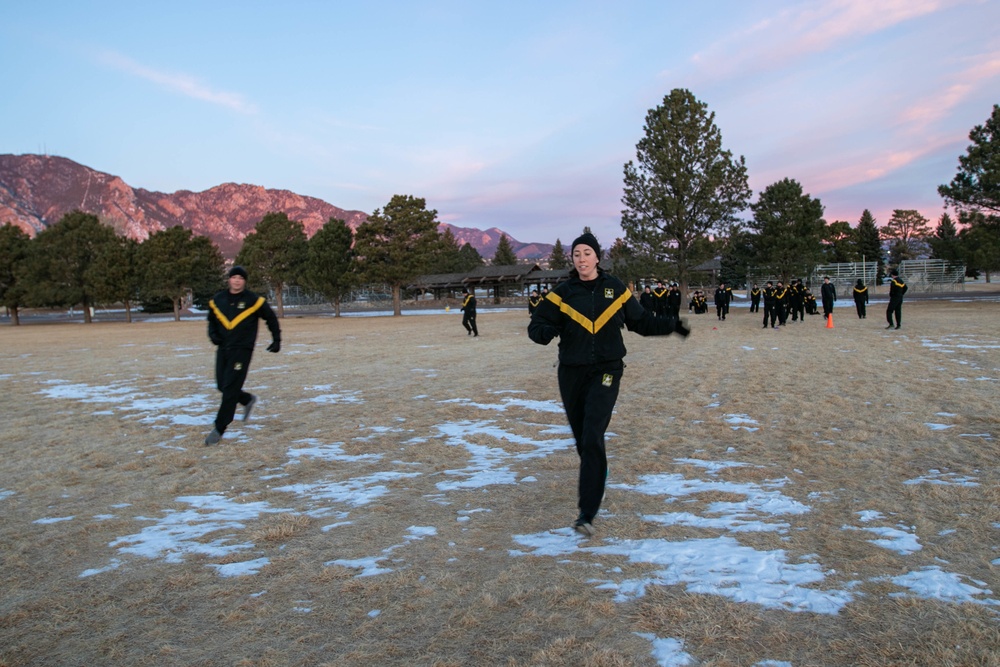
(587, 239)
(238, 271)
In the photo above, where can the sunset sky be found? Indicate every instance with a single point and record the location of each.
(516, 115)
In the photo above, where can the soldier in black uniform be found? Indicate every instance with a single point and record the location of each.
(781, 303)
(861, 299)
(660, 299)
(897, 288)
(810, 303)
(722, 296)
(828, 294)
(755, 299)
(797, 299)
(770, 312)
(533, 302)
(674, 301)
(647, 300)
(469, 310)
(588, 313)
(233, 315)
(698, 304)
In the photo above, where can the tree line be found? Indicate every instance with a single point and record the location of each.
(684, 196)
(79, 261)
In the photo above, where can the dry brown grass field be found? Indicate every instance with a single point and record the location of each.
(390, 501)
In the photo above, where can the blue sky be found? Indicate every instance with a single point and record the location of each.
(516, 115)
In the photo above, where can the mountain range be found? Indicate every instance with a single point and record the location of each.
(37, 190)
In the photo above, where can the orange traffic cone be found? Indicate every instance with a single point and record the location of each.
(829, 321)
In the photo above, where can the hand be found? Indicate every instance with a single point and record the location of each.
(274, 347)
(681, 327)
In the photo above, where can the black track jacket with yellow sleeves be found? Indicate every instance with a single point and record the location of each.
(588, 318)
(232, 319)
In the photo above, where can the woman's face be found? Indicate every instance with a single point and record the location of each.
(585, 261)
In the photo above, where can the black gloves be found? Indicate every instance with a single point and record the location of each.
(215, 340)
(274, 347)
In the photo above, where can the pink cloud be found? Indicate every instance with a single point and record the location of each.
(183, 84)
(804, 30)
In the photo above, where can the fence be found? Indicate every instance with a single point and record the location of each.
(932, 275)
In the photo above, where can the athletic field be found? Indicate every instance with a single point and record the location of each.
(402, 496)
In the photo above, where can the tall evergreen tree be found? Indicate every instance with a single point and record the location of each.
(396, 244)
(504, 255)
(945, 243)
(470, 258)
(976, 186)
(60, 258)
(683, 186)
(115, 274)
(329, 260)
(274, 254)
(868, 244)
(788, 226)
(176, 263)
(558, 260)
(15, 245)
(981, 243)
(448, 257)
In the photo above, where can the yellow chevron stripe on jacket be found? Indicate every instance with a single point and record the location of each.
(225, 321)
(591, 326)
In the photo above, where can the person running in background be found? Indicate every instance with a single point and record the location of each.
(233, 315)
(897, 288)
(861, 299)
(469, 313)
(587, 313)
(755, 293)
(828, 294)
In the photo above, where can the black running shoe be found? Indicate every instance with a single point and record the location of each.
(583, 526)
(248, 408)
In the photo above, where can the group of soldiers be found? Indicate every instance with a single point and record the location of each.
(780, 301)
(662, 301)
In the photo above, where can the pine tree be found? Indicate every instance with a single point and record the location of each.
(396, 244)
(470, 258)
(61, 255)
(115, 274)
(683, 186)
(176, 263)
(558, 260)
(868, 244)
(504, 255)
(976, 186)
(274, 254)
(329, 260)
(788, 226)
(15, 245)
(945, 243)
